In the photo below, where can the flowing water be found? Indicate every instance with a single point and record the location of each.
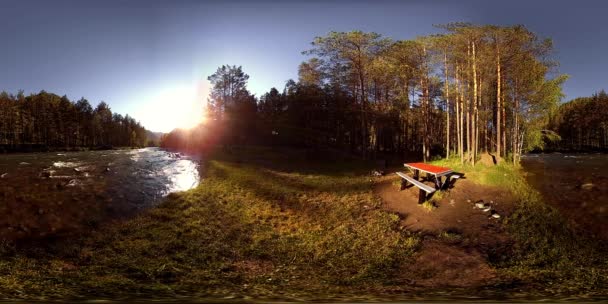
(576, 184)
(49, 194)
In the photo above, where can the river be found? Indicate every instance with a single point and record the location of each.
(53, 194)
(576, 184)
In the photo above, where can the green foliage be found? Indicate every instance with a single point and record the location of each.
(582, 123)
(535, 115)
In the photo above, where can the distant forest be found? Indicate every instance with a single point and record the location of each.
(47, 121)
(471, 90)
(582, 124)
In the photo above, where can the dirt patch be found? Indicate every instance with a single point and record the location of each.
(461, 240)
(444, 265)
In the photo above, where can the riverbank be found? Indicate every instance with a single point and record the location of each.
(575, 184)
(49, 196)
(274, 224)
(36, 148)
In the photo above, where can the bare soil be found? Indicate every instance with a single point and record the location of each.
(461, 241)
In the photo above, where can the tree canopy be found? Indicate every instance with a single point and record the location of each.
(468, 90)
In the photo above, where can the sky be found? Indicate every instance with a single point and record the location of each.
(135, 55)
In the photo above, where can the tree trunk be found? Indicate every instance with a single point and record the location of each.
(474, 122)
(447, 107)
(498, 101)
(504, 131)
(364, 139)
(461, 116)
(468, 104)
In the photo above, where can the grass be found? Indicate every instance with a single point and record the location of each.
(283, 224)
(428, 206)
(261, 223)
(547, 251)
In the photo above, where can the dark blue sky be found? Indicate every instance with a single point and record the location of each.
(128, 53)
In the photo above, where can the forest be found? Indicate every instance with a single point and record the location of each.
(44, 121)
(582, 124)
(471, 90)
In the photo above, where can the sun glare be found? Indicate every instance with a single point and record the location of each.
(175, 107)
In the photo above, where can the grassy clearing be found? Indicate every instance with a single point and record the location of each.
(547, 252)
(280, 224)
(261, 223)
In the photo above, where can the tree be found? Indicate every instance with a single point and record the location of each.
(354, 50)
(228, 84)
(310, 72)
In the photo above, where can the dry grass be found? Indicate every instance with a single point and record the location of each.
(276, 224)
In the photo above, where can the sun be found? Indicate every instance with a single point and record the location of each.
(179, 106)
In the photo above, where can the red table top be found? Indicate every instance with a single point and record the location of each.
(428, 168)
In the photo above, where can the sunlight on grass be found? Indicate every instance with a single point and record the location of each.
(249, 223)
(547, 248)
(428, 206)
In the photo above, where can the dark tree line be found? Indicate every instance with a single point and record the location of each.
(470, 90)
(46, 121)
(582, 124)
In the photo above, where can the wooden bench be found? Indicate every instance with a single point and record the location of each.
(425, 191)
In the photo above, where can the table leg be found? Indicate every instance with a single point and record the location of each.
(403, 183)
(448, 180)
(438, 182)
(421, 196)
(415, 174)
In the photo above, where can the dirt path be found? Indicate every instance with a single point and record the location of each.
(460, 240)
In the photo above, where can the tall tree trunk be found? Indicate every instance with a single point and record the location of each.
(504, 131)
(364, 139)
(479, 96)
(424, 82)
(468, 103)
(461, 116)
(457, 106)
(515, 124)
(447, 106)
(474, 123)
(424, 120)
(498, 101)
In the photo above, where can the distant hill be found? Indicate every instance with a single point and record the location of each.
(153, 138)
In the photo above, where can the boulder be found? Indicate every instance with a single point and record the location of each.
(488, 159)
(377, 173)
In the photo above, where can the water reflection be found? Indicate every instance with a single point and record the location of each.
(183, 175)
(42, 192)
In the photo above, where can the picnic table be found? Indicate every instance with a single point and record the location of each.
(434, 172)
